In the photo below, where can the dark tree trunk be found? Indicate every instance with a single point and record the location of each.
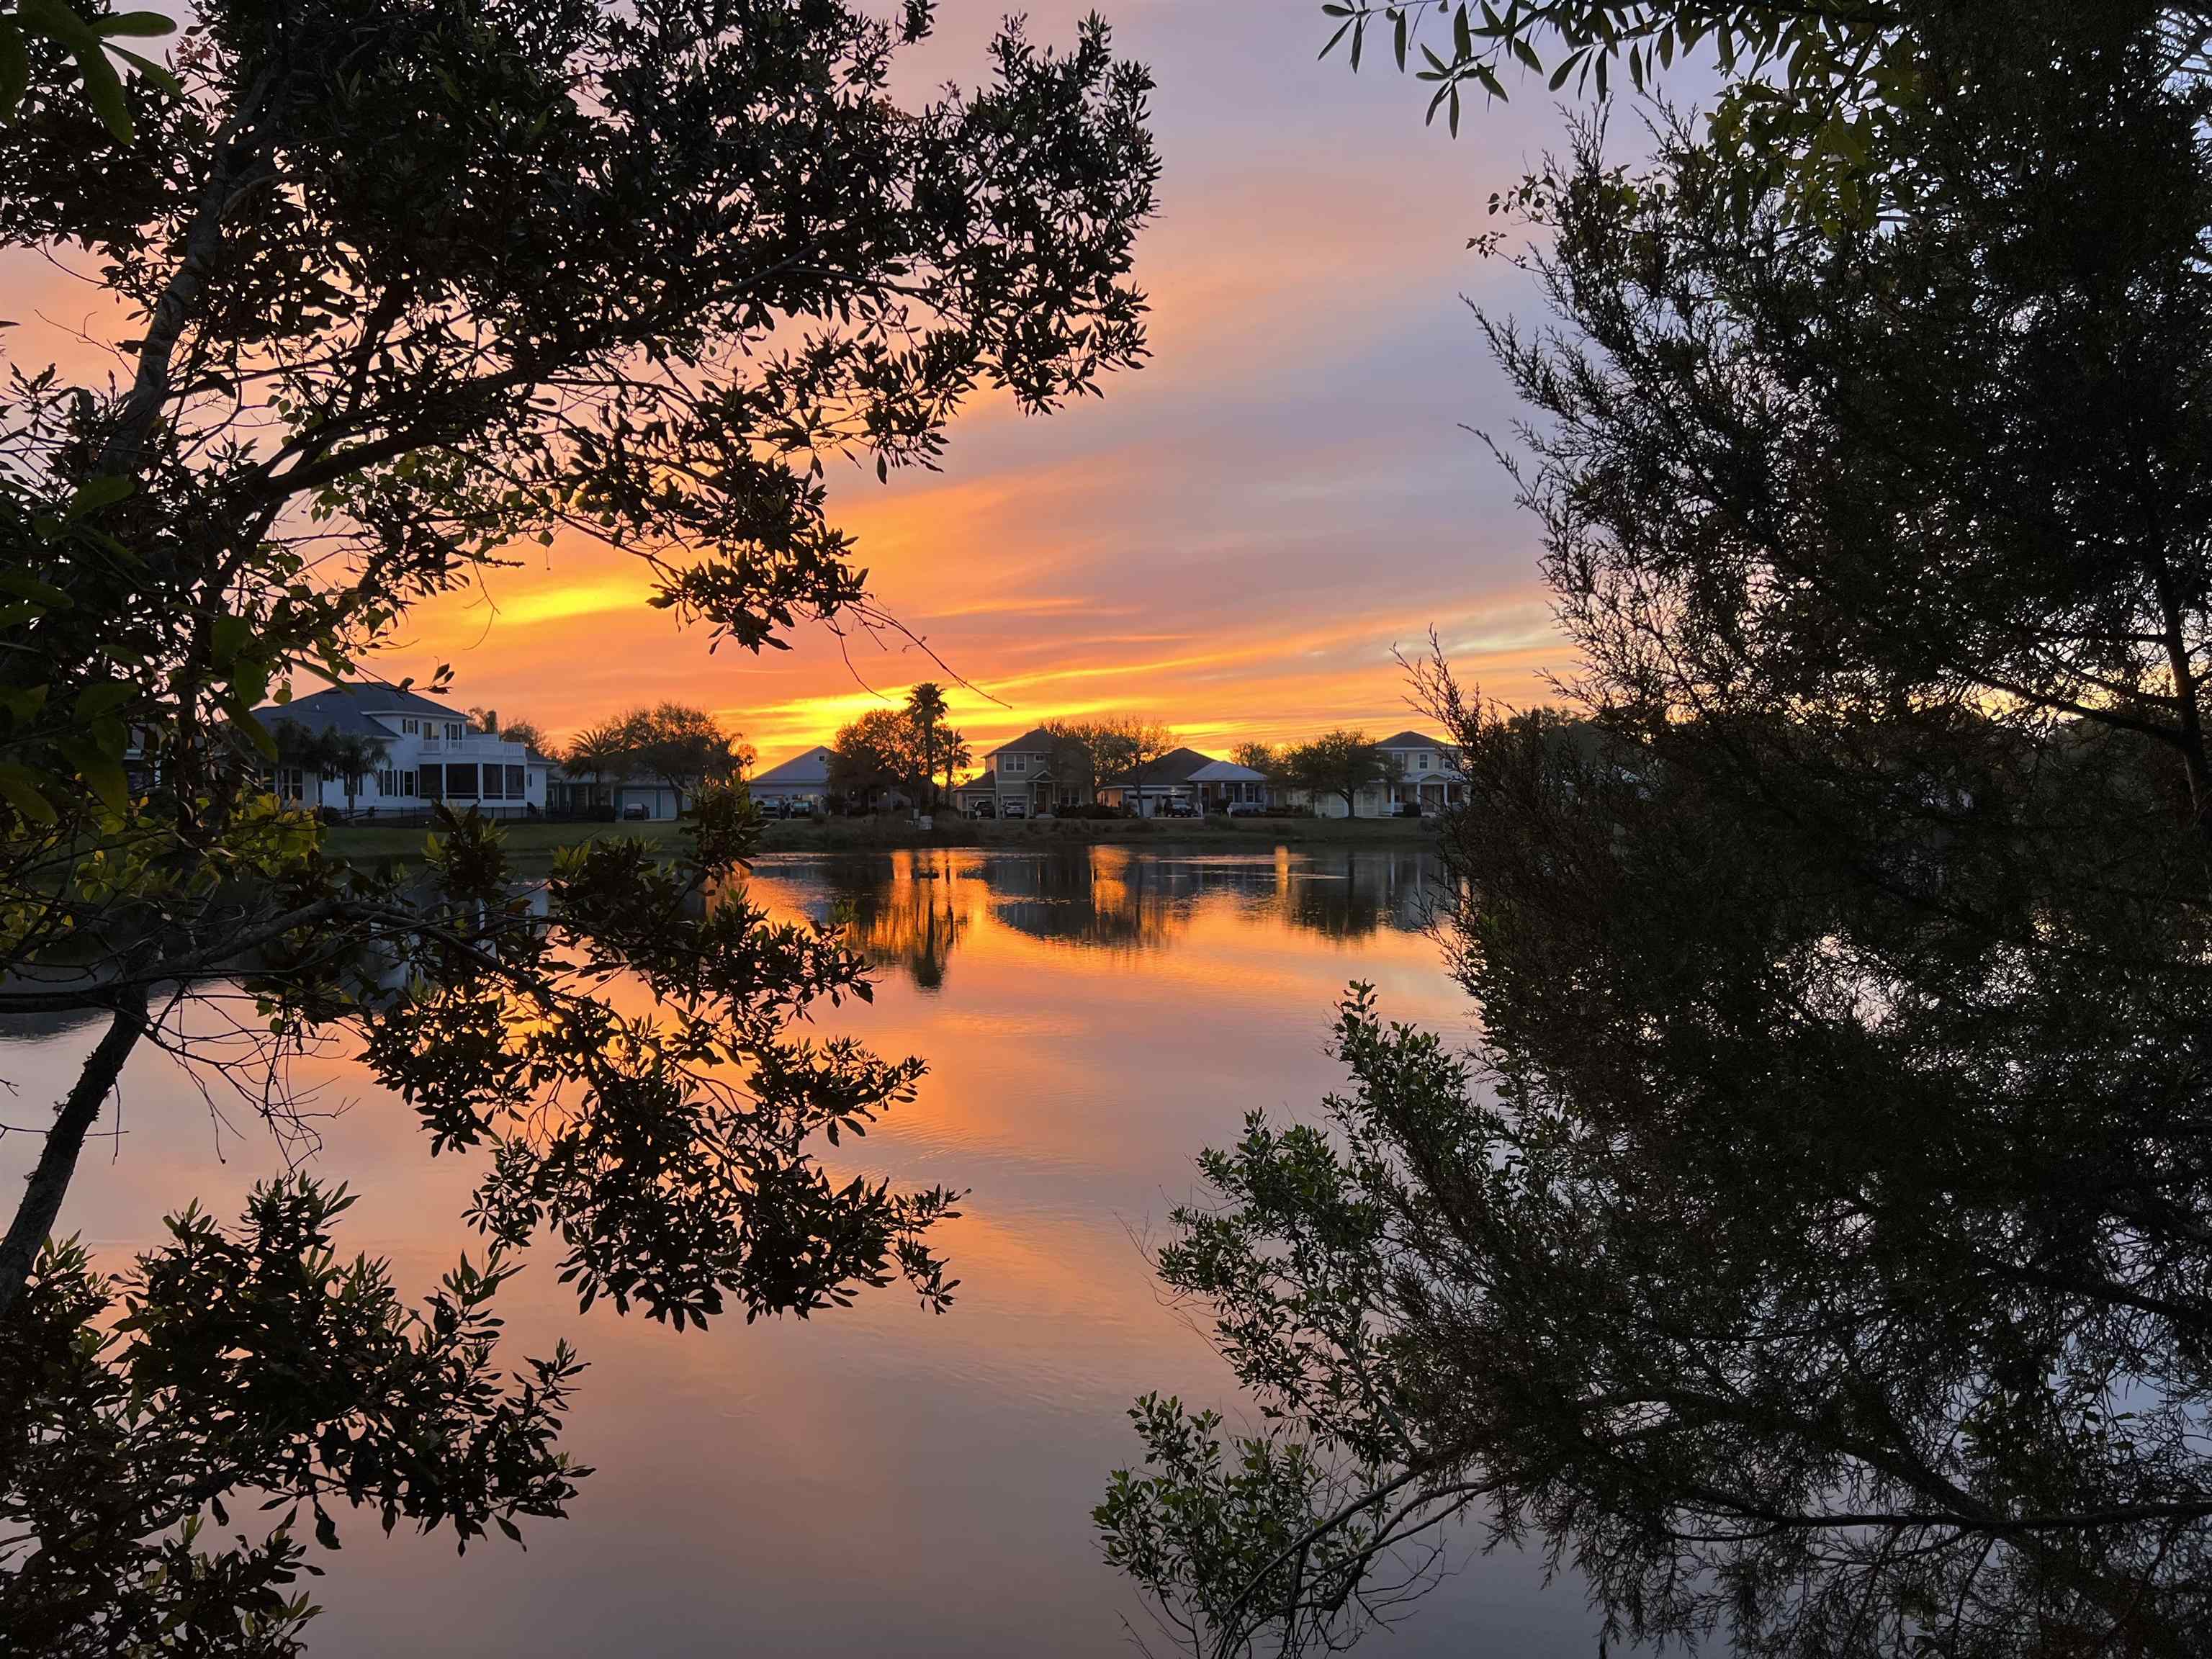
(73, 1120)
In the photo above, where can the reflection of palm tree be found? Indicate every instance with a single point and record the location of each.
(898, 914)
(915, 910)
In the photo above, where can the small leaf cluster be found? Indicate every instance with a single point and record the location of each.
(86, 34)
(248, 1367)
(1817, 99)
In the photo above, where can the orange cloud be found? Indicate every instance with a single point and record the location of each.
(1232, 541)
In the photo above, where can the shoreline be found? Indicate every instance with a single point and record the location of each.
(527, 839)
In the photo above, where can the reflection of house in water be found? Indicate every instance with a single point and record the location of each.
(914, 909)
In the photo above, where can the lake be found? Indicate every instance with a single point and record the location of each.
(883, 1479)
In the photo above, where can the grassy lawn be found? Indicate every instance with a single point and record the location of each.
(527, 840)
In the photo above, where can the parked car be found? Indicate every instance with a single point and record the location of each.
(1180, 809)
(983, 809)
(1016, 810)
(802, 808)
(1408, 809)
(637, 809)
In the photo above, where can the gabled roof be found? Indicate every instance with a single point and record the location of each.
(1413, 740)
(1030, 741)
(350, 708)
(1226, 772)
(800, 771)
(1176, 766)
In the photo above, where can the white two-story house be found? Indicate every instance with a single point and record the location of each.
(430, 755)
(1428, 773)
(1428, 779)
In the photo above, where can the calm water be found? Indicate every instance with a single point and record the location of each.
(883, 1479)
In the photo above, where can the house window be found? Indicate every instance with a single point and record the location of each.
(406, 783)
(452, 731)
(434, 782)
(1425, 762)
(517, 786)
(461, 782)
(492, 789)
(410, 728)
(1018, 762)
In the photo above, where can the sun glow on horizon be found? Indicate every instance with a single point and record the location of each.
(1232, 541)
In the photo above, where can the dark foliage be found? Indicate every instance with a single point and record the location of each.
(1815, 1251)
(237, 1367)
(403, 287)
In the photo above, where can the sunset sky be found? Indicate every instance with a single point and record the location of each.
(1233, 540)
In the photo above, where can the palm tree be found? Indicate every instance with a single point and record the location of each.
(952, 754)
(323, 753)
(292, 742)
(305, 750)
(353, 756)
(607, 752)
(926, 707)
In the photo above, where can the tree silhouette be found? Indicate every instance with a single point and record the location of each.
(1812, 1255)
(879, 752)
(926, 707)
(398, 289)
(352, 756)
(1340, 762)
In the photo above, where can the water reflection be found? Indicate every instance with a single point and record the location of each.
(915, 909)
(881, 1480)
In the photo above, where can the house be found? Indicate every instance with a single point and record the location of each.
(1184, 778)
(1429, 780)
(802, 778)
(1428, 773)
(1224, 784)
(591, 795)
(1019, 781)
(431, 755)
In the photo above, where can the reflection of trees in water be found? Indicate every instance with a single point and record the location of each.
(908, 916)
(22, 1027)
(913, 910)
(1349, 893)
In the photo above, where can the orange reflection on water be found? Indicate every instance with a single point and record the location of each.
(880, 1479)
